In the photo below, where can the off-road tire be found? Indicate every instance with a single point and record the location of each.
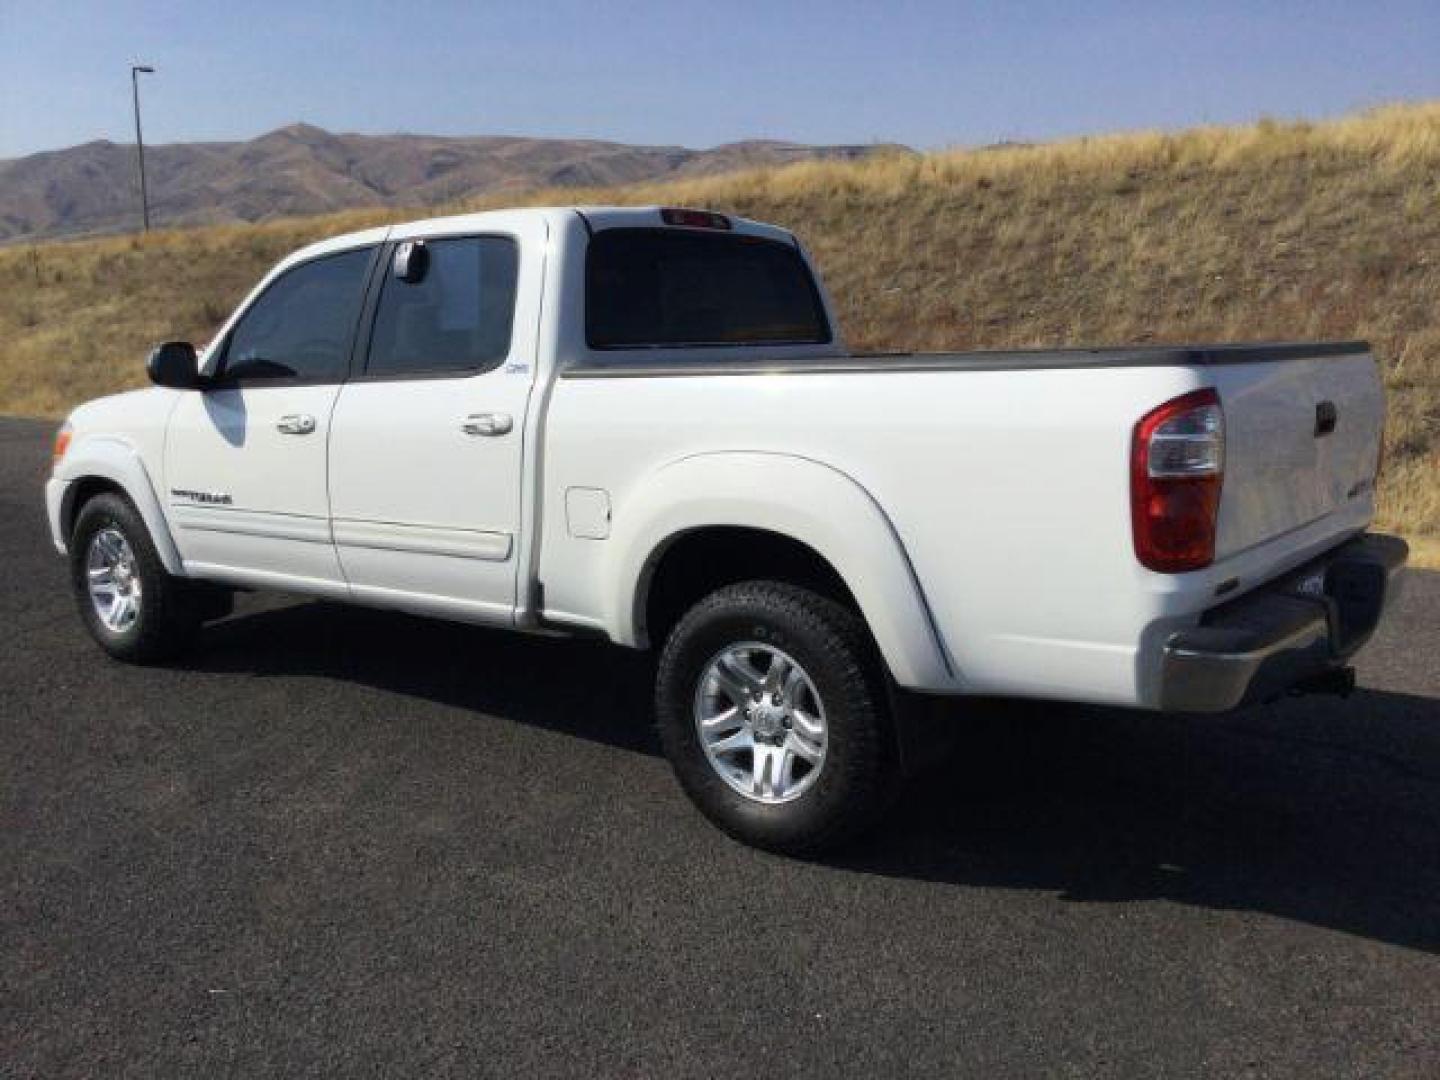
(171, 609)
(831, 643)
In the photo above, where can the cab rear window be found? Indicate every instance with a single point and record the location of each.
(651, 288)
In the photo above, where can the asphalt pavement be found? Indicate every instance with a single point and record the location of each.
(338, 842)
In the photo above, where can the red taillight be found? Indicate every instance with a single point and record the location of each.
(694, 219)
(1177, 464)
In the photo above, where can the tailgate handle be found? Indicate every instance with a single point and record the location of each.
(1325, 417)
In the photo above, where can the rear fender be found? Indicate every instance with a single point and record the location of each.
(797, 497)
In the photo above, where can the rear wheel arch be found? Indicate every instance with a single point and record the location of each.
(692, 564)
(832, 525)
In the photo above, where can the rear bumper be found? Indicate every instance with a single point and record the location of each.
(1301, 626)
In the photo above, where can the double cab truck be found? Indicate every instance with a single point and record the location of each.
(642, 425)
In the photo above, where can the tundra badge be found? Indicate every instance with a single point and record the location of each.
(213, 498)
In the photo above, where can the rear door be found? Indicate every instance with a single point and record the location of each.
(245, 467)
(425, 451)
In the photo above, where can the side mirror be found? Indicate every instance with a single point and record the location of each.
(411, 261)
(174, 364)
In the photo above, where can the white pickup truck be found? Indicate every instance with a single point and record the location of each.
(642, 425)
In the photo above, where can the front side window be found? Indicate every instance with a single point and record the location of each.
(453, 317)
(649, 288)
(301, 326)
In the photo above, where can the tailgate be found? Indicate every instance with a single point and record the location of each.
(1302, 442)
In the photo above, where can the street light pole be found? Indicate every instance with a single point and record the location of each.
(135, 70)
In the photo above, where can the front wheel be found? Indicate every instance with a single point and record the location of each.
(132, 607)
(771, 708)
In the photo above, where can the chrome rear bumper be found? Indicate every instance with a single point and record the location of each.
(1286, 633)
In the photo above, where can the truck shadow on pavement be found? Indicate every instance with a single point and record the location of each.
(1312, 809)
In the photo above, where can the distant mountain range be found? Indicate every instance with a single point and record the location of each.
(301, 169)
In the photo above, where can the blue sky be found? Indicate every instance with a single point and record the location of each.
(925, 73)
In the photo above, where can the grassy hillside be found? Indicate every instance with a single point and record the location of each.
(1269, 231)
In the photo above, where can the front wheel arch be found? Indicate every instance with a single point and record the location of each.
(167, 609)
(81, 492)
(98, 463)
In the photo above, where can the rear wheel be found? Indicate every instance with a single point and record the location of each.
(772, 712)
(132, 607)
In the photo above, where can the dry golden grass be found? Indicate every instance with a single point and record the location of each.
(1327, 230)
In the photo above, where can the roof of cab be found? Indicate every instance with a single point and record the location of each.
(597, 218)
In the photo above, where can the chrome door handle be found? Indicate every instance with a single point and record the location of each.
(487, 423)
(295, 424)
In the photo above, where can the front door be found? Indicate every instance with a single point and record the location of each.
(426, 444)
(245, 468)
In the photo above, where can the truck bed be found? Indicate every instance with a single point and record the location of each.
(1008, 489)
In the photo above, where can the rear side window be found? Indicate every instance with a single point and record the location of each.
(455, 318)
(646, 288)
(301, 325)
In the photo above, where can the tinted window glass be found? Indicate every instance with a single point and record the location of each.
(455, 318)
(649, 287)
(301, 325)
